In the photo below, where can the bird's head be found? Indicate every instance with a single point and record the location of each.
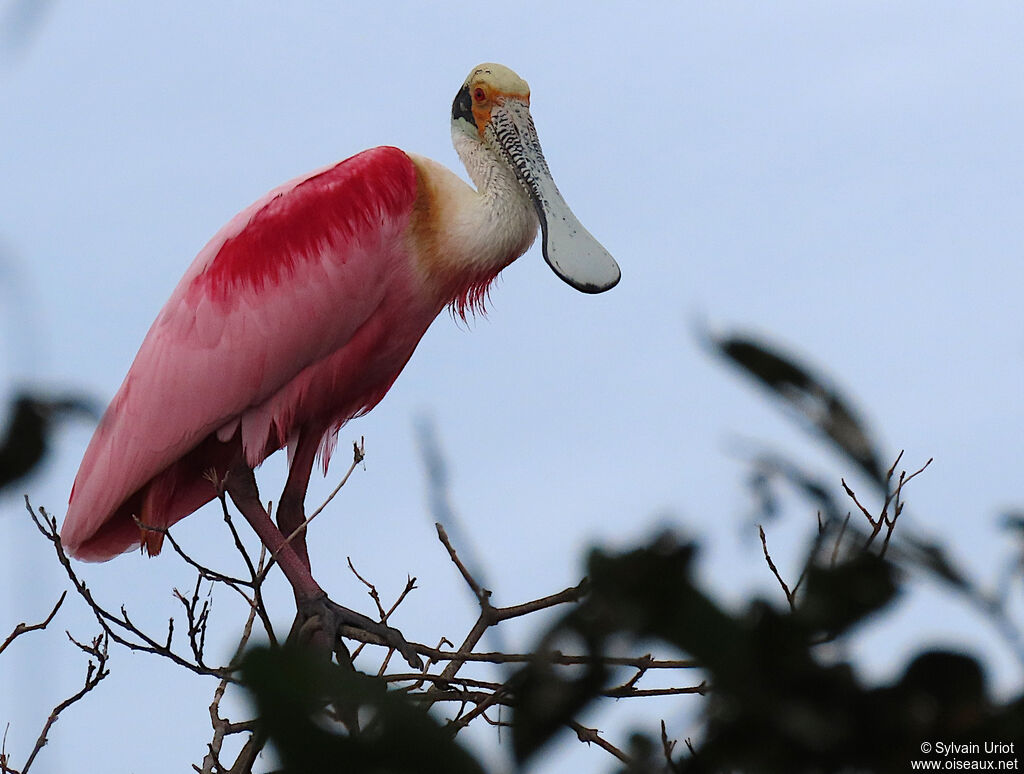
(492, 111)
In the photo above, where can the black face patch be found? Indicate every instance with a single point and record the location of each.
(462, 107)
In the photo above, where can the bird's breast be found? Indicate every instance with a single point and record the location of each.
(460, 239)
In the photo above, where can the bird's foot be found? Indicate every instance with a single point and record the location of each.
(319, 622)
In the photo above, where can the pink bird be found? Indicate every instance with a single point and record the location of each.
(299, 315)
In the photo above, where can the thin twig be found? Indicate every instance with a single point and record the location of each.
(358, 455)
(482, 594)
(592, 736)
(898, 504)
(667, 747)
(94, 673)
(372, 590)
(875, 524)
(475, 698)
(775, 570)
(221, 727)
(205, 572)
(481, 708)
(24, 628)
(110, 624)
(636, 693)
(839, 539)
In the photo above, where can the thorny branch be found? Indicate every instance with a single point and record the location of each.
(591, 736)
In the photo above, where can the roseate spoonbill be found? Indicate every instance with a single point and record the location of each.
(299, 315)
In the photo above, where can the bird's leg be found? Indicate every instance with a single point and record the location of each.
(319, 621)
(241, 486)
(291, 511)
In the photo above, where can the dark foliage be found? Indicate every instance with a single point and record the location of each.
(775, 705)
(822, 406)
(782, 697)
(389, 733)
(782, 694)
(31, 422)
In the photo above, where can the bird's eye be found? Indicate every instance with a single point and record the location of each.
(479, 95)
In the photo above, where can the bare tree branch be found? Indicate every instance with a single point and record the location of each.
(96, 670)
(593, 736)
(222, 728)
(438, 682)
(775, 570)
(24, 628)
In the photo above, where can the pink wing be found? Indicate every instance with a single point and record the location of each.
(280, 290)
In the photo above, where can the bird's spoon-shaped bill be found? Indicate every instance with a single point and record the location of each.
(570, 250)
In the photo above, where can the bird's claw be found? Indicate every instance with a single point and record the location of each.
(320, 622)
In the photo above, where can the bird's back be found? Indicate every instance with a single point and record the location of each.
(278, 292)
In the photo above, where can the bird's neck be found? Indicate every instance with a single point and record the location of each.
(502, 212)
(473, 235)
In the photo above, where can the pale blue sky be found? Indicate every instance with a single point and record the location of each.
(846, 177)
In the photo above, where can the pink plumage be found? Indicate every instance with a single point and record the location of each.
(300, 312)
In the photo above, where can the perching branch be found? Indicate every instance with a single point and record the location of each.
(440, 682)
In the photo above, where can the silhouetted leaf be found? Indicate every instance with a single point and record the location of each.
(775, 704)
(290, 688)
(29, 427)
(546, 700)
(643, 592)
(1013, 521)
(20, 21)
(932, 557)
(769, 466)
(823, 406)
(835, 598)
